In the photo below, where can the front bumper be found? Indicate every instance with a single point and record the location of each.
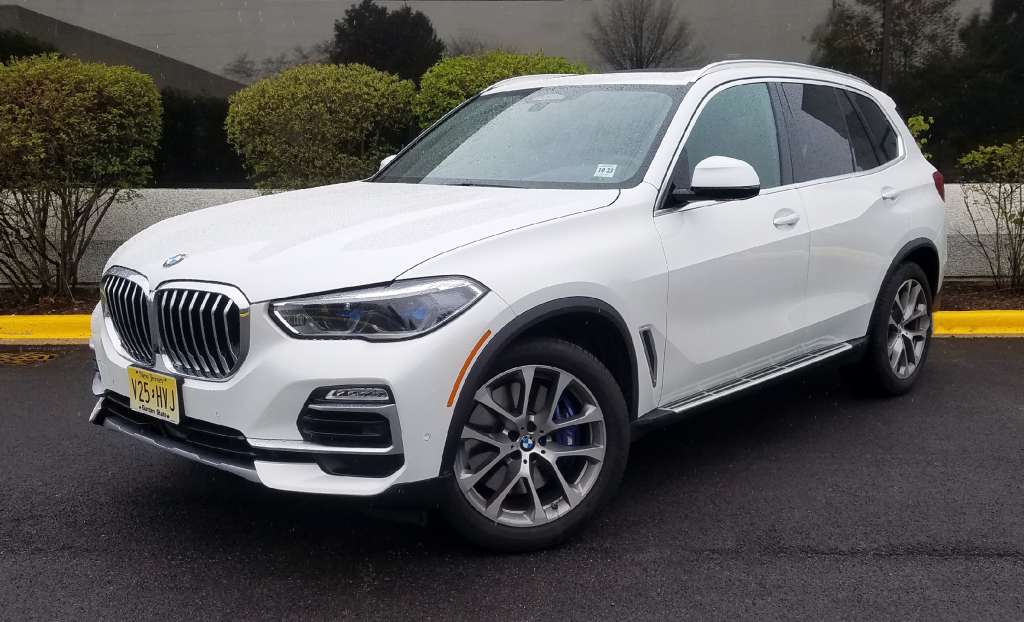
(255, 413)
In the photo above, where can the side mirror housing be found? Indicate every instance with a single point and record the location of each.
(720, 179)
(386, 161)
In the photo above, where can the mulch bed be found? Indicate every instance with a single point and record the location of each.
(979, 296)
(83, 303)
(956, 296)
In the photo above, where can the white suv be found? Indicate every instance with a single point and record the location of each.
(559, 265)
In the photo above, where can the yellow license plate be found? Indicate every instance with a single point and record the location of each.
(154, 394)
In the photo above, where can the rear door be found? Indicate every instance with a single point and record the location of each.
(736, 279)
(844, 152)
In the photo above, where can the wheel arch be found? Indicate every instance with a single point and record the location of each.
(924, 253)
(921, 251)
(575, 319)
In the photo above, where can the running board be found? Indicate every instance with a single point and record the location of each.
(672, 412)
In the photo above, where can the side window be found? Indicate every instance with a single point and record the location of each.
(819, 141)
(883, 137)
(737, 123)
(864, 156)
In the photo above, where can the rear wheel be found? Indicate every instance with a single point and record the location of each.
(542, 448)
(899, 335)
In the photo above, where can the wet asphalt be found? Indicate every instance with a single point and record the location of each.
(803, 501)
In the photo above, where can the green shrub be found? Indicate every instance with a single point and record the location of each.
(319, 124)
(74, 138)
(995, 203)
(454, 80)
(918, 125)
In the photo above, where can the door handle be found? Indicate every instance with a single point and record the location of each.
(785, 218)
(890, 194)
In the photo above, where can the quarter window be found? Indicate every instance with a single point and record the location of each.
(883, 136)
(864, 156)
(819, 140)
(737, 123)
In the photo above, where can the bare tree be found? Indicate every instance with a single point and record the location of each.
(472, 44)
(247, 69)
(640, 34)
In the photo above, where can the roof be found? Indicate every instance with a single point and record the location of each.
(741, 68)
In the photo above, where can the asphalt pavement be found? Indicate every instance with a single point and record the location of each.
(803, 501)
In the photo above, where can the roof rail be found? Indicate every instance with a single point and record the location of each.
(513, 79)
(740, 63)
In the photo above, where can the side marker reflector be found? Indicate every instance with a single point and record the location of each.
(465, 366)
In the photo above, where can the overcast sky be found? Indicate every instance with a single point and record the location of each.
(211, 33)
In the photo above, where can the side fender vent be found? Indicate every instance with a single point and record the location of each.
(647, 338)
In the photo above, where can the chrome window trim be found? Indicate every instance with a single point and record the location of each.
(659, 205)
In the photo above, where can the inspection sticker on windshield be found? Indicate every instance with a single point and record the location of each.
(605, 170)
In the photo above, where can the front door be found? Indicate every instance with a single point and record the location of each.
(737, 270)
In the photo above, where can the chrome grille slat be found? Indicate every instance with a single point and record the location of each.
(170, 345)
(122, 311)
(126, 306)
(210, 358)
(218, 342)
(227, 331)
(201, 330)
(191, 367)
(137, 334)
(192, 336)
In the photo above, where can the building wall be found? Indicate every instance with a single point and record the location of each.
(211, 34)
(92, 46)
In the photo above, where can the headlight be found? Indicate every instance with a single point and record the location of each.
(401, 310)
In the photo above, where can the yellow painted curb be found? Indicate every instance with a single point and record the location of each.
(60, 329)
(979, 322)
(51, 328)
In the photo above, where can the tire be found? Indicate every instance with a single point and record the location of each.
(513, 487)
(897, 347)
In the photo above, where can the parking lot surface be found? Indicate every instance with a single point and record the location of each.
(801, 501)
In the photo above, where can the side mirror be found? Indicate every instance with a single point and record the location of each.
(386, 161)
(720, 179)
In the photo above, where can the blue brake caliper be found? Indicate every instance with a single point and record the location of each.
(568, 436)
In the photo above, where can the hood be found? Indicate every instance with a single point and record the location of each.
(336, 237)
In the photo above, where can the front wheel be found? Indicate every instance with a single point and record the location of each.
(542, 448)
(899, 335)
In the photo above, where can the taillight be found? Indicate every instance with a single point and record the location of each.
(940, 184)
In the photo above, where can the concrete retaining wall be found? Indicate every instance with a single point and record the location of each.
(155, 205)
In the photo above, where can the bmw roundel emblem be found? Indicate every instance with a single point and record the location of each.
(173, 261)
(526, 443)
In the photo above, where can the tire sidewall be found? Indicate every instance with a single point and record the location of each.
(878, 350)
(468, 521)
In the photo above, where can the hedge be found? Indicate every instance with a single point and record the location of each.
(319, 124)
(74, 138)
(454, 80)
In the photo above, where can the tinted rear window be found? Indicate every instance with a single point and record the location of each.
(883, 136)
(819, 141)
(864, 155)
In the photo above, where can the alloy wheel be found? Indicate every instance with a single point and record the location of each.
(909, 323)
(533, 446)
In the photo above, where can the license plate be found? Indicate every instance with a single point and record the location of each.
(154, 394)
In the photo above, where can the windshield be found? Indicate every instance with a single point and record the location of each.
(553, 137)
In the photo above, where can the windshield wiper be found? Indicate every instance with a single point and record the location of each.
(481, 185)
